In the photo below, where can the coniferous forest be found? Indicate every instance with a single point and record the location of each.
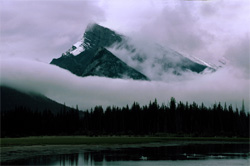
(177, 119)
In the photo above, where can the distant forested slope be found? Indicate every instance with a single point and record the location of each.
(177, 119)
(12, 98)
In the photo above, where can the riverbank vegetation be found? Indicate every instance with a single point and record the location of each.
(112, 140)
(175, 119)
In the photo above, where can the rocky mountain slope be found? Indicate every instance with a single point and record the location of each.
(98, 54)
(88, 57)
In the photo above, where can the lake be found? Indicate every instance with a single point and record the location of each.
(177, 155)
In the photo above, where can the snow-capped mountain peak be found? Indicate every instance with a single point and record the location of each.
(119, 54)
(95, 36)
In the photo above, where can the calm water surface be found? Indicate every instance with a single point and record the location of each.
(188, 155)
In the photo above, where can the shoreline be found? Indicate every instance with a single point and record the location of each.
(107, 140)
(10, 153)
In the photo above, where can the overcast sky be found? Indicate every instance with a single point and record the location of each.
(45, 29)
(37, 31)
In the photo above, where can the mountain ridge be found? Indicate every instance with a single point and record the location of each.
(78, 58)
(104, 59)
(12, 98)
(83, 63)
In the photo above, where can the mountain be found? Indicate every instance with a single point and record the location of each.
(12, 98)
(98, 62)
(156, 61)
(88, 57)
(99, 53)
(104, 63)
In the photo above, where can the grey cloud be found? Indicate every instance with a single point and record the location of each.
(178, 28)
(202, 29)
(152, 55)
(208, 10)
(239, 55)
(35, 28)
(62, 86)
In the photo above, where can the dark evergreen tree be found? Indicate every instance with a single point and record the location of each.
(177, 118)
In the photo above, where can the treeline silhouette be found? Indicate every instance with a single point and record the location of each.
(176, 119)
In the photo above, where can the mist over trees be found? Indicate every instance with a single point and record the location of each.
(174, 119)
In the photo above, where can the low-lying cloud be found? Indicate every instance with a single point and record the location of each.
(239, 55)
(225, 85)
(151, 59)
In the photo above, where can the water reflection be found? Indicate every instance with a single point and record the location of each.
(85, 159)
(164, 155)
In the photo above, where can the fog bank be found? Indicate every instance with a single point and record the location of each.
(226, 85)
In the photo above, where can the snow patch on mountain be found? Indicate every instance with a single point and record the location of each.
(77, 48)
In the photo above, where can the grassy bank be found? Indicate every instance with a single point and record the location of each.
(82, 140)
